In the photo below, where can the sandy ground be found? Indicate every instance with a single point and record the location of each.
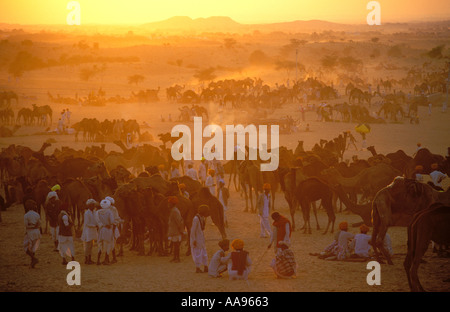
(153, 273)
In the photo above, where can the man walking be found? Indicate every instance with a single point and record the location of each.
(264, 206)
(65, 237)
(32, 222)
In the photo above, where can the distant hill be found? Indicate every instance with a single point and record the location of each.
(228, 25)
(184, 23)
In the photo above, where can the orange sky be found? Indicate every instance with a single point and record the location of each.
(243, 11)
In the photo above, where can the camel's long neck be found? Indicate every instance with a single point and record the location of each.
(346, 182)
(363, 211)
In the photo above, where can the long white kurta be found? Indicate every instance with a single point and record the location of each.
(32, 222)
(210, 185)
(65, 243)
(198, 252)
(89, 227)
(202, 172)
(192, 173)
(105, 236)
(117, 221)
(264, 216)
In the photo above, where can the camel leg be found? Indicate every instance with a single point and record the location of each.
(407, 266)
(244, 188)
(292, 211)
(413, 271)
(251, 198)
(305, 213)
(315, 215)
(273, 200)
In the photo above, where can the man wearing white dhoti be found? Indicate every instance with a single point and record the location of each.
(264, 207)
(105, 220)
(65, 238)
(197, 239)
(32, 221)
(116, 226)
(89, 230)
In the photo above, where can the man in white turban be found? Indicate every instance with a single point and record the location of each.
(89, 230)
(65, 237)
(105, 220)
(116, 225)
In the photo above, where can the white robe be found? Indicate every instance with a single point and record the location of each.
(105, 235)
(199, 254)
(89, 227)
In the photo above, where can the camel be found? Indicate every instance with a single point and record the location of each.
(41, 112)
(192, 186)
(100, 187)
(136, 158)
(6, 132)
(364, 211)
(7, 96)
(139, 209)
(311, 190)
(370, 180)
(26, 114)
(429, 224)
(250, 179)
(7, 116)
(75, 193)
(359, 95)
(121, 175)
(289, 180)
(155, 181)
(40, 192)
(391, 109)
(77, 167)
(204, 197)
(402, 197)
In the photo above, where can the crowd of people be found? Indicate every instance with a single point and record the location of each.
(102, 225)
(347, 245)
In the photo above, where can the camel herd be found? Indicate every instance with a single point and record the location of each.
(389, 194)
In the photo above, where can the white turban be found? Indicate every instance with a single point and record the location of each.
(52, 194)
(105, 204)
(111, 200)
(91, 201)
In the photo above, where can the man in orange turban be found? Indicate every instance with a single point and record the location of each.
(240, 262)
(360, 243)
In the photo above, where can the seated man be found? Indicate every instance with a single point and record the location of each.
(218, 263)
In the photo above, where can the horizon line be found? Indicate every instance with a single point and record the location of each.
(412, 21)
